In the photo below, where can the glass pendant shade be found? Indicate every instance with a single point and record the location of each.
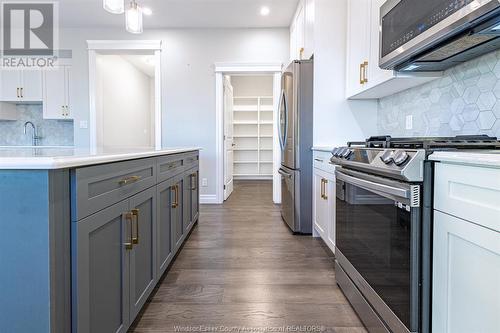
(114, 6)
(133, 18)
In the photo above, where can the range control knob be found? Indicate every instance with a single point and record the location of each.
(347, 152)
(401, 157)
(387, 157)
(335, 152)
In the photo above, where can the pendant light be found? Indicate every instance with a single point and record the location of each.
(133, 18)
(114, 6)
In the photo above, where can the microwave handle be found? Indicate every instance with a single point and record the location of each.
(373, 186)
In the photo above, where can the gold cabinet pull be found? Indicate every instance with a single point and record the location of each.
(324, 191)
(322, 188)
(17, 93)
(174, 203)
(177, 195)
(365, 75)
(361, 71)
(128, 180)
(193, 182)
(135, 215)
(128, 218)
(22, 96)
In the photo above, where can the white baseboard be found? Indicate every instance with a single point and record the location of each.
(208, 199)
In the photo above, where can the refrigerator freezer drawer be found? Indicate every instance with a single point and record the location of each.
(288, 197)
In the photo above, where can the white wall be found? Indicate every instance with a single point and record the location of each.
(336, 120)
(188, 96)
(252, 85)
(123, 104)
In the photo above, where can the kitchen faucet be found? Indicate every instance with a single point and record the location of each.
(34, 136)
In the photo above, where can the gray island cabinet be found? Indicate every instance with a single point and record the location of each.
(97, 239)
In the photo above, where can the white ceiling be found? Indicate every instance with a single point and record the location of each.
(183, 14)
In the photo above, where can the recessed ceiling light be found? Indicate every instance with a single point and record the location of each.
(264, 11)
(147, 11)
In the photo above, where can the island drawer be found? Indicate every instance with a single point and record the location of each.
(100, 186)
(191, 160)
(170, 166)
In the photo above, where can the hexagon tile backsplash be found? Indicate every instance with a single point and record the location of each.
(53, 132)
(466, 100)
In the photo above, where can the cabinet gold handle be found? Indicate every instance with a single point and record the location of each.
(22, 96)
(325, 182)
(128, 218)
(365, 67)
(174, 203)
(361, 71)
(17, 92)
(135, 215)
(177, 195)
(193, 182)
(128, 180)
(322, 188)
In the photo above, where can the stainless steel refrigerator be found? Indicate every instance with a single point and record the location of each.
(296, 140)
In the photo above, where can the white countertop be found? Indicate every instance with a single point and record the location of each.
(323, 148)
(487, 158)
(17, 158)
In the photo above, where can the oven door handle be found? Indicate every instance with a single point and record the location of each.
(370, 185)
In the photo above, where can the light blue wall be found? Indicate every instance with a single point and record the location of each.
(53, 132)
(466, 100)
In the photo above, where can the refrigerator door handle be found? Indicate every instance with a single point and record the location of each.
(281, 114)
(284, 173)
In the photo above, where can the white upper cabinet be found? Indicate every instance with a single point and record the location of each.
(365, 79)
(375, 74)
(11, 82)
(21, 86)
(31, 87)
(302, 31)
(358, 50)
(56, 103)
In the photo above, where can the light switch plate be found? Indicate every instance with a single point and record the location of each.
(84, 124)
(204, 182)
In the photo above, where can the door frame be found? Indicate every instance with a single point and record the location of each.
(222, 69)
(99, 46)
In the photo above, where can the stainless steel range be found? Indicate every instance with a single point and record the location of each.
(383, 227)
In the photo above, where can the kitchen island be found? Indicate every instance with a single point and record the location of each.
(87, 235)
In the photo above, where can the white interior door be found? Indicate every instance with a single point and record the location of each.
(228, 138)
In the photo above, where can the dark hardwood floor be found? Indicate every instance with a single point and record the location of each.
(242, 267)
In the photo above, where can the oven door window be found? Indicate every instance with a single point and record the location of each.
(374, 234)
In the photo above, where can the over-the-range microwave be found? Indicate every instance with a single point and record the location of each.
(433, 35)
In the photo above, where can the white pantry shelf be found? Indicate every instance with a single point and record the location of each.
(251, 132)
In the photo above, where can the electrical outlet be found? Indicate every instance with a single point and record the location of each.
(204, 182)
(409, 122)
(84, 124)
